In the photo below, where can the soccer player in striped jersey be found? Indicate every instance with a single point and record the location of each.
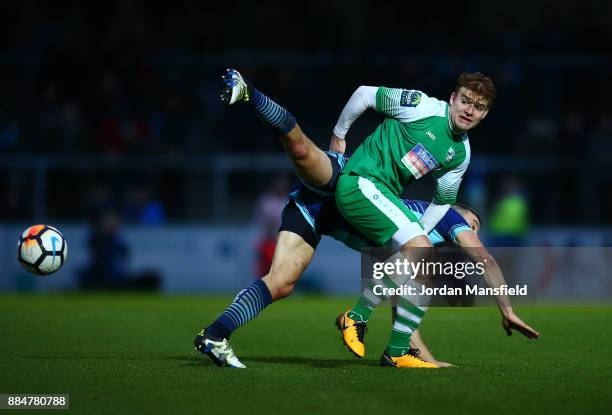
(306, 216)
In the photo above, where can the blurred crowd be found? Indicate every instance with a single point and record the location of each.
(123, 78)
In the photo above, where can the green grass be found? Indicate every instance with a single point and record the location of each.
(132, 354)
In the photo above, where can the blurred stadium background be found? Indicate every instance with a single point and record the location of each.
(112, 131)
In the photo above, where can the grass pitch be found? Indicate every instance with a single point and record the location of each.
(132, 354)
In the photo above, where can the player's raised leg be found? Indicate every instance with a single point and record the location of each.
(311, 163)
(291, 257)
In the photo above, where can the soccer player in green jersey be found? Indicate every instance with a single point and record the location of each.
(419, 135)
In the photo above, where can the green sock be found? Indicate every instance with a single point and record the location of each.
(366, 304)
(406, 321)
(362, 310)
(368, 301)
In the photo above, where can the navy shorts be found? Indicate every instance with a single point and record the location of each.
(292, 220)
(337, 162)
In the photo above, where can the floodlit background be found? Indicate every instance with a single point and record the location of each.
(111, 128)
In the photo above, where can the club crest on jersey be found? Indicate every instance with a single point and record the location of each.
(450, 155)
(410, 98)
(419, 161)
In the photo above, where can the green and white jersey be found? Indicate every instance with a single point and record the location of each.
(415, 139)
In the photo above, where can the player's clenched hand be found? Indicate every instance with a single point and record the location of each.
(337, 144)
(512, 322)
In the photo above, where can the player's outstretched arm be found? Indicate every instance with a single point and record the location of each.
(494, 278)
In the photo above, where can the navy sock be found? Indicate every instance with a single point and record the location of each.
(272, 114)
(246, 306)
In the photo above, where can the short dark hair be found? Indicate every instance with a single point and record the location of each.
(469, 209)
(478, 83)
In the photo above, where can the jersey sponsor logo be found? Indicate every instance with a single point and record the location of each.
(410, 98)
(431, 135)
(419, 161)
